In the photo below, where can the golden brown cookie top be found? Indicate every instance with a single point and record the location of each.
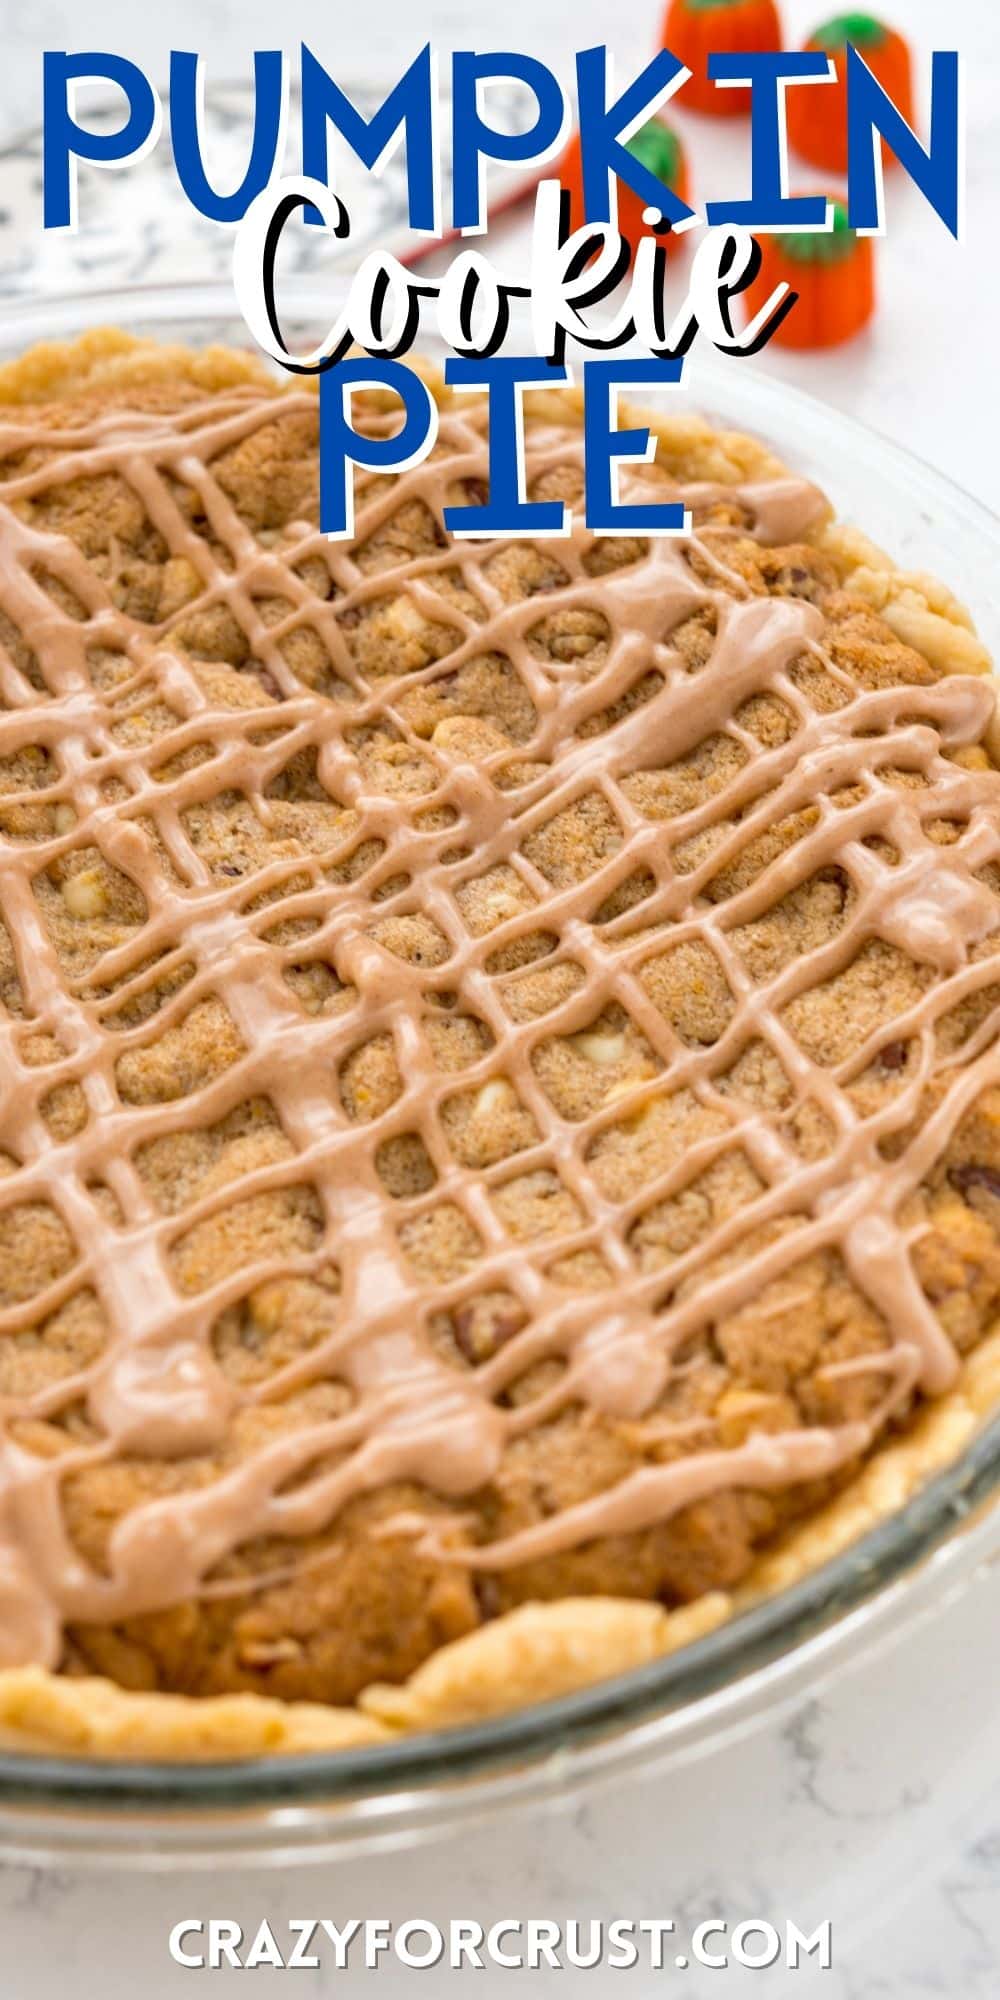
(462, 1003)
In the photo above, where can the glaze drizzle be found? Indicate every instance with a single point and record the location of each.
(157, 1389)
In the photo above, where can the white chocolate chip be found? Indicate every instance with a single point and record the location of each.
(601, 1046)
(65, 817)
(493, 1098)
(502, 904)
(453, 729)
(264, 1653)
(404, 615)
(85, 895)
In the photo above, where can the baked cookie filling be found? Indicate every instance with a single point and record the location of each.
(500, 1112)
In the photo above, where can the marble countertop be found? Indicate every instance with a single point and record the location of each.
(874, 1800)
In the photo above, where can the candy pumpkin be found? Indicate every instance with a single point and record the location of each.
(833, 272)
(695, 29)
(817, 113)
(659, 149)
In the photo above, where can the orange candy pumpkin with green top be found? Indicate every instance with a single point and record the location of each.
(833, 272)
(695, 29)
(817, 113)
(659, 149)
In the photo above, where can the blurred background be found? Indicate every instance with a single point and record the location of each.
(922, 371)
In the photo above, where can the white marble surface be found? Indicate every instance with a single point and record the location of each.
(876, 1801)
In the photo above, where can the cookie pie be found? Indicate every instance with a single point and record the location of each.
(500, 1110)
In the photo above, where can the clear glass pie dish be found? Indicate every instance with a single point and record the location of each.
(718, 1686)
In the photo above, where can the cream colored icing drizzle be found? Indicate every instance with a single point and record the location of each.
(157, 1389)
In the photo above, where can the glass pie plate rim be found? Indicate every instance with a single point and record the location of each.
(717, 1685)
